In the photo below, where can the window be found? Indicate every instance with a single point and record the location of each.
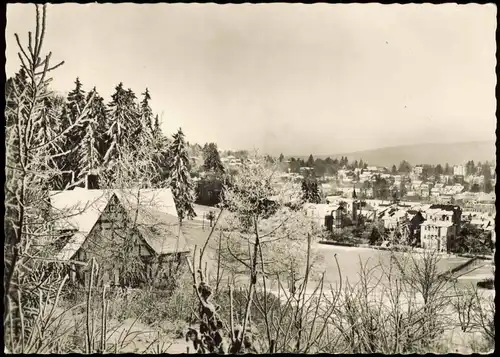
(113, 208)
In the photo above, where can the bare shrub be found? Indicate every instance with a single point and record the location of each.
(476, 313)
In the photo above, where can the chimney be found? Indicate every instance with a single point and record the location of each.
(92, 180)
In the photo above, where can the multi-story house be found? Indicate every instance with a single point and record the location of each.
(393, 218)
(418, 170)
(459, 170)
(415, 184)
(441, 227)
(305, 170)
(365, 176)
(424, 190)
(341, 174)
(436, 235)
(435, 192)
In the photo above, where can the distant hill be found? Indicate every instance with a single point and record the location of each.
(435, 153)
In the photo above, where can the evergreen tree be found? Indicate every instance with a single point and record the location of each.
(135, 123)
(395, 195)
(402, 189)
(294, 165)
(89, 158)
(50, 131)
(76, 101)
(447, 169)
(375, 236)
(281, 158)
(310, 190)
(156, 128)
(161, 154)
(180, 178)
(475, 188)
(470, 168)
(310, 161)
(319, 167)
(486, 172)
(13, 88)
(97, 112)
(88, 152)
(123, 122)
(146, 118)
(404, 167)
(212, 160)
(394, 169)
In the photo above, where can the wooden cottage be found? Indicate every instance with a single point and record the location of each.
(133, 235)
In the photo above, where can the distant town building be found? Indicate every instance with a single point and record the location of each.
(459, 170)
(418, 170)
(435, 235)
(415, 184)
(441, 227)
(435, 192)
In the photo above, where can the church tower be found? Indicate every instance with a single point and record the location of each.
(355, 204)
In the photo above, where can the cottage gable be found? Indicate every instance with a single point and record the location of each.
(102, 219)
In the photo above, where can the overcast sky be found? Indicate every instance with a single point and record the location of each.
(296, 79)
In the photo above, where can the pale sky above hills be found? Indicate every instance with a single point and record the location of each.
(281, 77)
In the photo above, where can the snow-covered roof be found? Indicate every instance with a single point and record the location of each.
(80, 209)
(486, 197)
(437, 223)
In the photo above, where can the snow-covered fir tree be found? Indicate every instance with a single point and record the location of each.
(76, 99)
(74, 106)
(97, 111)
(156, 128)
(146, 119)
(123, 120)
(89, 158)
(161, 152)
(180, 177)
(310, 189)
(212, 161)
(13, 89)
(49, 132)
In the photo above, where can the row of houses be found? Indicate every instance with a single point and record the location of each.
(436, 226)
(461, 170)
